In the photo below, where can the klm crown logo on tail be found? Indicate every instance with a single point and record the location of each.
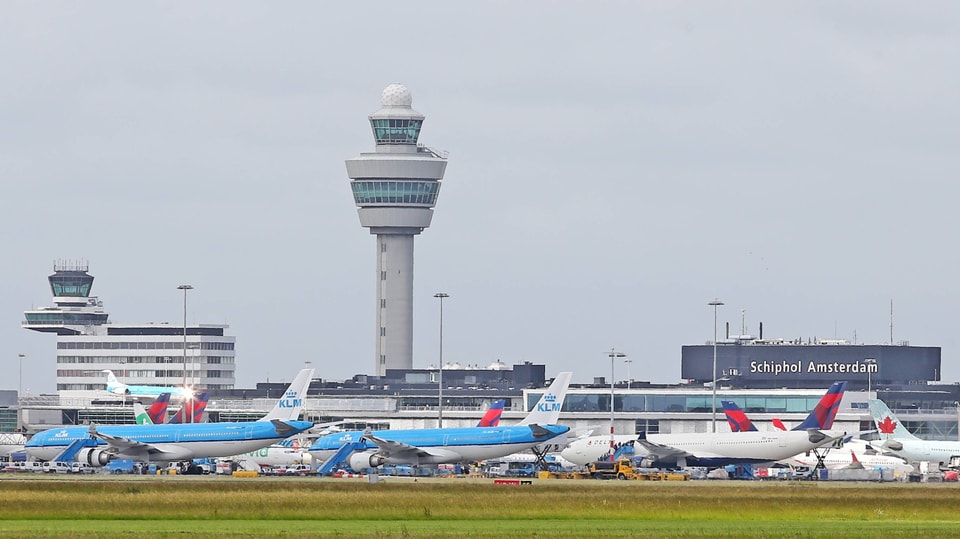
(288, 407)
(549, 404)
(547, 409)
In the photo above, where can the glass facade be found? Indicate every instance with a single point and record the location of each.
(65, 319)
(637, 402)
(372, 192)
(71, 284)
(396, 130)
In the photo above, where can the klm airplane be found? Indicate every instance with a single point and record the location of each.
(365, 449)
(97, 446)
(118, 388)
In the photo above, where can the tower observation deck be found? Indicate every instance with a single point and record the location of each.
(76, 310)
(395, 188)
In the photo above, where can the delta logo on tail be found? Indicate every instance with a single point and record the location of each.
(825, 412)
(158, 410)
(738, 421)
(192, 409)
(492, 417)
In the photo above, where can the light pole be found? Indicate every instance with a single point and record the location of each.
(440, 296)
(715, 303)
(19, 396)
(869, 362)
(185, 287)
(613, 354)
(628, 361)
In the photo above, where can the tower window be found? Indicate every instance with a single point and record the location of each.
(383, 276)
(383, 332)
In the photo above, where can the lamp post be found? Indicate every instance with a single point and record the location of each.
(715, 303)
(19, 396)
(628, 361)
(613, 354)
(440, 296)
(185, 287)
(870, 363)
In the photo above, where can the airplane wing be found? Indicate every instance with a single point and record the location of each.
(663, 453)
(400, 450)
(127, 446)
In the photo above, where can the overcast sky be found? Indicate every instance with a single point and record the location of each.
(613, 167)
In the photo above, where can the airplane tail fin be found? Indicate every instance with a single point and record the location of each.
(492, 417)
(547, 409)
(739, 422)
(291, 402)
(888, 426)
(779, 424)
(823, 414)
(192, 409)
(143, 418)
(111, 378)
(114, 385)
(157, 412)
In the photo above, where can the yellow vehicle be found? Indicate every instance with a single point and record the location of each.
(605, 469)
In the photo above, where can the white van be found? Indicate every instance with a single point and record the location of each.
(56, 467)
(30, 466)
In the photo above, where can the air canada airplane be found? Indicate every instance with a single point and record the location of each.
(897, 440)
(365, 449)
(118, 388)
(97, 446)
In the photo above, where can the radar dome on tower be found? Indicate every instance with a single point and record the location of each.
(396, 95)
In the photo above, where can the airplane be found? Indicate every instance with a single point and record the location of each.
(821, 417)
(118, 388)
(492, 417)
(850, 459)
(97, 446)
(719, 448)
(897, 440)
(155, 414)
(365, 449)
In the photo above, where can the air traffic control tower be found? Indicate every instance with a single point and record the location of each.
(395, 188)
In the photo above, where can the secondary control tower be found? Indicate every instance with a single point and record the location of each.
(395, 188)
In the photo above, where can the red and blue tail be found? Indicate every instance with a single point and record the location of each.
(739, 422)
(194, 407)
(825, 412)
(158, 410)
(492, 417)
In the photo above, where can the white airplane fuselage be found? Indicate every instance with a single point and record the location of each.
(707, 449)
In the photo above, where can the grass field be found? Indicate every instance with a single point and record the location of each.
(311, 507)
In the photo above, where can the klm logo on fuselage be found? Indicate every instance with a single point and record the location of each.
(549, 404)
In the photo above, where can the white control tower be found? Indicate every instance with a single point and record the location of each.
(395, 188)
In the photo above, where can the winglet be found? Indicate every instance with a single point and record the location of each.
(547, 409)
(291, 403)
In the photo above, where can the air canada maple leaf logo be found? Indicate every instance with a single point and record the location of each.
(887, 425)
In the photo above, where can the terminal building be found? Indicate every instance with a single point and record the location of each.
(144, 354)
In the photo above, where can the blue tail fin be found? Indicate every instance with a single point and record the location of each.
(825, 411)
(492, 417)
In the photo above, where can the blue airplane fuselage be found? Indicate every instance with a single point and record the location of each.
(445, 445)
(169, 442)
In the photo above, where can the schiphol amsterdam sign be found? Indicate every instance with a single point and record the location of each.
(800, 366)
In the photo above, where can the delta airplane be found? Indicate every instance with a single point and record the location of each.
(195, 407)
(365, 449)
(715, 449)
(97, 446)
(118, 388)
(897, 440)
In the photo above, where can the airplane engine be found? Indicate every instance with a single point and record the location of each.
(94, 457)
(362, 461)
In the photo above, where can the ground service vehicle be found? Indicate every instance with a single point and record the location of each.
(605, 469)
